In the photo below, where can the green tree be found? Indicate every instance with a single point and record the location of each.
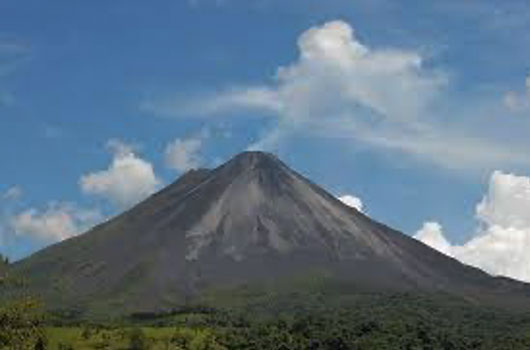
(21, 317)
(21, 325)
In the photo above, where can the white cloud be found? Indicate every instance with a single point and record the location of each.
(128, 180)
(336, 73)
(502, 241)
(120, 148)
(57, 222)
(431, 234)
(184, 154)
(517, 101)
(341, 88)
(352, 201)
(205, 106)
(13, 193)
(507, 203)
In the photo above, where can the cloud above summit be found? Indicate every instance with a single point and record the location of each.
(340, 87)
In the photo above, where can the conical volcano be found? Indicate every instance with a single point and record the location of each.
(250, 220)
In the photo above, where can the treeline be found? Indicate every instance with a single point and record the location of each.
(377, 322)
(365, 322)
(344, 332)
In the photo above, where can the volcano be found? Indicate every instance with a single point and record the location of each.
(251, 220)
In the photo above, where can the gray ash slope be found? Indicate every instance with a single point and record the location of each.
(249, 220)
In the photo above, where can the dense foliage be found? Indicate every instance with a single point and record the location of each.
(290, 322)
(21, 325)
(21, 318)
(390, 322)
(377, 322)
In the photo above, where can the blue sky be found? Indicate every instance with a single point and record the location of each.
(161, 86)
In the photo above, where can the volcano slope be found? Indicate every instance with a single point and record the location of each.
(250, 222)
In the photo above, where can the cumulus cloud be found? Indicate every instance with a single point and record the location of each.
(57, 222)
(518, 101)
(507, 203)
(184, 154)
(502, 241)
(352, 201)
(432, 234)
(128, 180)
(336, 69)
(54, 222)
(340, 87)
(336, 73)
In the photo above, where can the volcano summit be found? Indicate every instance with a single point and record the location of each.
(251, 220)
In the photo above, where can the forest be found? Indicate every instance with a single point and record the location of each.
(379, 322)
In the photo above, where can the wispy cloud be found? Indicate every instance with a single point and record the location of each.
(212, 104)
(183, 154)
(12, 193)
(12, 54)
(518, 101)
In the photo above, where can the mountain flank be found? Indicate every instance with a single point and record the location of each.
(252, 221)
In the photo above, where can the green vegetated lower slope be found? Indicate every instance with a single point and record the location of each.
(365, 321)
(309, 312)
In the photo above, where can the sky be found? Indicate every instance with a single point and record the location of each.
(417, 113)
